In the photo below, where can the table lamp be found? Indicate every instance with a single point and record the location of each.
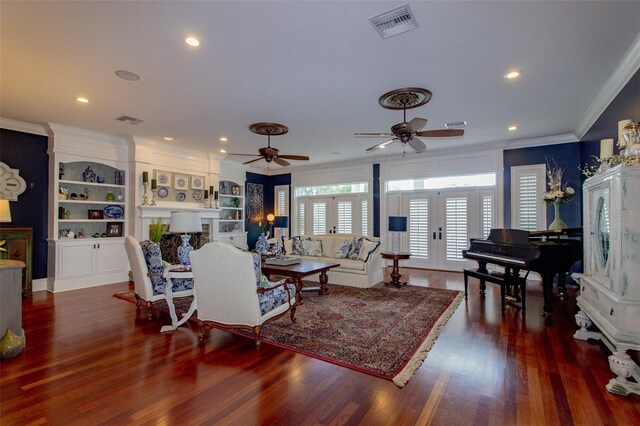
(281, 222)
(5, 211)
(183, 222)
(397, 224)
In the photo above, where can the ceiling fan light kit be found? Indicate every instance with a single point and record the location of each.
(406, 132)
(268, 153)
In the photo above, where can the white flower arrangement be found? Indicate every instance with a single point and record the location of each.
(557, 192)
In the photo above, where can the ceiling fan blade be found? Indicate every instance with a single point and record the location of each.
(373, 135)
(294, 157)
(245, 155)
(441, 133)
(252, 161)
(280, 161)
(381, 145)
(417, 124)
(417, 145)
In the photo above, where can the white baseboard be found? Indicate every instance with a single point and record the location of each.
(39, 285)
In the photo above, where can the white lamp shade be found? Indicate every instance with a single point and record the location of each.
(182, 222)
(5, 211)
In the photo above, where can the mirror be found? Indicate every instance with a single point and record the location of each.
(602, 232)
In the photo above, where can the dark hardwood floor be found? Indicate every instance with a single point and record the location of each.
(91, 359)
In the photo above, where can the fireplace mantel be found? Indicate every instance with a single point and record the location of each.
(148, 214)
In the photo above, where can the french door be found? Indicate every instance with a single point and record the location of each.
(340, 214)
(439, 227)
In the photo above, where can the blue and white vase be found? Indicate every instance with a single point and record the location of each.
(262, 245)
(277, 249)
(184, 250)
(89, 175)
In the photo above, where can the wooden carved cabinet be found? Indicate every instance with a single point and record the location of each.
(19, 246)
(610, 286)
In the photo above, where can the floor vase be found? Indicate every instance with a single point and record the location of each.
(557, 223)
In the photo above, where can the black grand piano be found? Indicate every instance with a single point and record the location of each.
(548, 253)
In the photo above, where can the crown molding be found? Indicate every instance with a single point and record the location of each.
(626, 69)
(21, 126)
(544, 140)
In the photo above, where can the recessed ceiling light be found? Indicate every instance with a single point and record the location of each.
(127, 75)
(224, 151)
(513, 128)
(510, 75)
(192, 41)
(383, 146)
(223, 139)
(168, 138)
(82, 100)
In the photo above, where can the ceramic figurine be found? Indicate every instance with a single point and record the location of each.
(110, 196)
(100, 179)
(120, 197)
(89, 175)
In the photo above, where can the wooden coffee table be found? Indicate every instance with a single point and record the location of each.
(395, 272)
(298, 271)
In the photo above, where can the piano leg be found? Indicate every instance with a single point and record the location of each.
(482, 268)
(547, 289)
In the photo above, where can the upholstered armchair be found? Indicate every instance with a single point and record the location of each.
(147, 268)
(233, 293)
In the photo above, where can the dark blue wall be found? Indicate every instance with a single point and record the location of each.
(376, 200)
(565, 156)
(28, 154)
(625, 105)
(268, 185)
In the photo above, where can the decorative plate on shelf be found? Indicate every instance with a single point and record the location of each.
(181, 182)
(197, 182)
(163, 192)
(181, 196)
(163, 178)
(113, 212)
(197, 195)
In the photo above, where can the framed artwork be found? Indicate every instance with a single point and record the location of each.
(114, 229)
(163, 178)
(95, 214)
(255, 196)
(197, 182)
(79, 232)
(181, 182)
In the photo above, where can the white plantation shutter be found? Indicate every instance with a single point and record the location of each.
(301, 218)
(345, 217)
(419, 227)
(365, 217)
(281, 204)
(527, 188)
(486, 220)
(319, 218)
(456, 227)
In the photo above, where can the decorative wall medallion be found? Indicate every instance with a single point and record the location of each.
(11, 184)
(163, 192)
(181, 196)
(163, 178)
(197, 182)
(181, 182)
(197, 195)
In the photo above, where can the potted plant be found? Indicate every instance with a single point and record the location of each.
(157, 229)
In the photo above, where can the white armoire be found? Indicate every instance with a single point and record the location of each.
(610, 285)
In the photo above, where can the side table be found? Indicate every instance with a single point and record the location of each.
(168, 274)
(395, 272)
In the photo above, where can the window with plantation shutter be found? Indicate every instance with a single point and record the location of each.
(486, 219)
(345, 217)
(319, 225)
(365, 217)
(419, 227)
(301, 218)
(456, 227)
(281, 197)
(527, 188)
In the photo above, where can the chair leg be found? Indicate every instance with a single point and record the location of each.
(204, 329)
(149, 313)
(257, 330)
(138, 301)
(293, 312)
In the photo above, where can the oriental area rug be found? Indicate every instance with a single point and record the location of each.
(383, 331)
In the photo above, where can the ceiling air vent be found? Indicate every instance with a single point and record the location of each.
(130, 120)
(394, 22)
(456, 125)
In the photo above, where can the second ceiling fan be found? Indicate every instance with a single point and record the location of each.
(268, 153)
(406, 132)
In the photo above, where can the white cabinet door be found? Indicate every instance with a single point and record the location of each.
(110, 256)
(237, 239)
(76, 258)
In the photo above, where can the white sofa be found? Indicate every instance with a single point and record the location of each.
(364, 272)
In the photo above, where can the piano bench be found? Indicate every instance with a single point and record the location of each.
(502, 280)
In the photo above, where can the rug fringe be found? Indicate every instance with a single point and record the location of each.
(418, 358)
